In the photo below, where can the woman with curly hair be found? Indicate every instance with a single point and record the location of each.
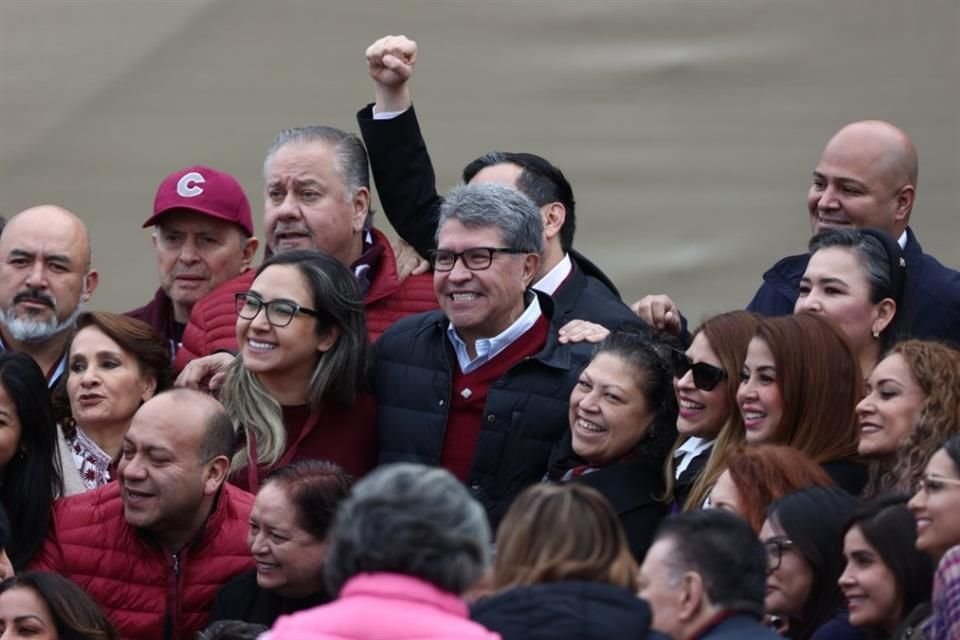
(912, 406)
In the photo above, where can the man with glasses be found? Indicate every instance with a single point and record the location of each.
(203, 236)
(407, 185)
(480, 387)
(705, 578)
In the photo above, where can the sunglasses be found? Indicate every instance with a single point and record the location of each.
(705, 376)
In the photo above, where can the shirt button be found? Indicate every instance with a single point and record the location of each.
(441, 403)
(491, 418)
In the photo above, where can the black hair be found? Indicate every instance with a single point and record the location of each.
(539, 180)
(890, 528)
(32, 478)
(76, 615)
(813, 519)
(315, 488)
(885, 268)
(725, 551)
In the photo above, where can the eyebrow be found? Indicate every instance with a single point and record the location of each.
(50, 257)
(30, 616)
(829, 280)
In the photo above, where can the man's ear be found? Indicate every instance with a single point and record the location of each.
(90, 282)
(250, 246)
(691, 596)
(531, 267)
(361, 207)
(215, 475)
(554, 215)
(905, 198)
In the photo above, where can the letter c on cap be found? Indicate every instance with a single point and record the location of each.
(187, 186)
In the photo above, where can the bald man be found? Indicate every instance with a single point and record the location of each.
(867, 179)
(45, 278)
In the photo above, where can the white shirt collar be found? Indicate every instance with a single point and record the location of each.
(549, 283)
(902, 240)
(690, 449)
(488, 348)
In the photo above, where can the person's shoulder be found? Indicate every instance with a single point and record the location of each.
(405, 328)
(97, 505)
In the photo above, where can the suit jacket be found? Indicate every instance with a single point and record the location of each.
(406, 182)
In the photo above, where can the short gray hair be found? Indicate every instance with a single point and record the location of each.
(494, 205)
(351, 156)
(409, 519)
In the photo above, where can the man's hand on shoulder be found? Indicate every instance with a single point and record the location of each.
(390, 62)
(409, 262)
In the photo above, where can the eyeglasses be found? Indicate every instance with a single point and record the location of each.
(475, 259)
(775, 548)
(705, 376)
(280, 313)
(935, 484)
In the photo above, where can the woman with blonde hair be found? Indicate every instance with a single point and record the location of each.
(705, 380)
(563, 569)
(912, 406)
(297, 387)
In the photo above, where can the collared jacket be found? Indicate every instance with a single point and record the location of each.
(158, 313)
(525, 413)
(213, 320)
(933, 292)
(384, 606)
(146, 592)
(406, 183)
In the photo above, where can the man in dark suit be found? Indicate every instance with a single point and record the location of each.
(705, 577)
(406, 183)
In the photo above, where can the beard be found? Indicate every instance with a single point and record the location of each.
(32, 329)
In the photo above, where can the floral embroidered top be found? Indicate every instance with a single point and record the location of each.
(92, 461)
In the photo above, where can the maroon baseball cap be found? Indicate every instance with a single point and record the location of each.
(204, 190)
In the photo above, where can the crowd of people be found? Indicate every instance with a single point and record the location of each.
(467, 433)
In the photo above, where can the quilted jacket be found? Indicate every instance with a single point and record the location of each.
(147, 593)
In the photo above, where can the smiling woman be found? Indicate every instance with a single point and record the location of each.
(623, 417)
(288, 530)
(297, 387)
(46, 606)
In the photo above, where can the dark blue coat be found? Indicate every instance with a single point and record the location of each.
(565, 610)
(525, 415)
(933, 292)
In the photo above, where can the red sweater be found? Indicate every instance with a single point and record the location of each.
(465, 418)
(344, 435)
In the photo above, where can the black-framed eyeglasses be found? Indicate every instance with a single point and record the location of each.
(775, 548)
(475, 258)
(705, 376)
(935, 484)
(280, 312)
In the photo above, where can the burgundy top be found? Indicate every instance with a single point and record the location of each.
(344, 435)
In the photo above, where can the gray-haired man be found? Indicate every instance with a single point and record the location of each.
(480, 387)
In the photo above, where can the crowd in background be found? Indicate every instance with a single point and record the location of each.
(466, 433)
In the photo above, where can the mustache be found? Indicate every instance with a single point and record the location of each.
(35, 295)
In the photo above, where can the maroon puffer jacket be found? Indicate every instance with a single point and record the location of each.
(213, 321)
(140, 587)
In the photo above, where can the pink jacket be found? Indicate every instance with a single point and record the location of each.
(384, 606)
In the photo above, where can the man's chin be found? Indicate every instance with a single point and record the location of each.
(824, 225)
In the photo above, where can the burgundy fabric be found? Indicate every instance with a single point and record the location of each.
(466, 414)
(158, 313)
(340, 434)
(131, 577)
(212, 325)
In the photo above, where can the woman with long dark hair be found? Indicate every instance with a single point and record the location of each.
(47, 606)
(29, 471)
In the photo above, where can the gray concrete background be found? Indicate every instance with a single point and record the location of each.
(688, 128)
